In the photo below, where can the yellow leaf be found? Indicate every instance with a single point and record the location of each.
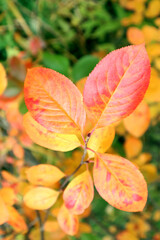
(40, 198)
(150, 33)
(153, 50)
(101, 140)
(51, 226)
(4, 212)
(153, 92)
(153, 9)
(138, 122)
(45, 138)
(3, 79)
(150, 172)
(135, 35)
(126, 235)
(8, 195)
(44, 174)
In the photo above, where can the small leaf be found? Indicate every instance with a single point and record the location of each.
(44, 174)
(8, 195)
(138, 122)
(119, 182)
(16, 220)
(101, 140)
(3, 79)
(79, 193)
(67, 221)
(56, 62)
(117, 85)
(40, 198)
(48, 139)
(54, 101)
(4, 212)
(84, 66)
(132, 146)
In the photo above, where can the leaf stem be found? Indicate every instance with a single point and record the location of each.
(79, 166)
(41, 225)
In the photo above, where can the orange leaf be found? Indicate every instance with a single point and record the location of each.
(44, 174)
(135, 35)
(4, 212)
(138, 122)
(132, 146)
(3, 79)
(54, 101)
(79, 193)
(100, 140)
(67, 221)
(8, 195)
(117, 85)
(48, 139)
(16, 220)
(40, 198)
(119, 182)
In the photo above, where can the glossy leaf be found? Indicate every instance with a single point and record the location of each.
(48, 139)
(4, 212)
(117, 85)
(101, 140)
(79, 193)
(138, 122)
(67, 221)
(54, 101)
(3, 79)
(40, 198)
(119, 182)
(44, 174)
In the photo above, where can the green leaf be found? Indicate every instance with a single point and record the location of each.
(56, 62)
(22, 107)
(84, 66)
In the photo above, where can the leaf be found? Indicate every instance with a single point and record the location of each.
(138, 122)
(54, 101)
(48, 139)
(132, 146)
(101, 140)
(16, 220)
(56, 62)
(8, 195)
(119, 182)
(44, 174)
(117, 85)
(79, 193)
(67, 221)
(135, 35)
(84, 66)
(4, 212)
(40, 198)
(3, 79)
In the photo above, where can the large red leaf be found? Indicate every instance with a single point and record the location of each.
(54, 101)
(119, 182)
(117, 85)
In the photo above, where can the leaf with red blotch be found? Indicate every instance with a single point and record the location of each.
(67, 221)
(40, 198)
(44, 174)
(48, 139)
(54, 101)
(119, 182)
(3, 79)
(117, 85)
(79, 193)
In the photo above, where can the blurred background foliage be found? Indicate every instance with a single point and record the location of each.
(71, 36)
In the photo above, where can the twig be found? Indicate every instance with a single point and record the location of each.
(41, 225)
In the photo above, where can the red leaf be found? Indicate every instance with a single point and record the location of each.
(54, 101)
(117, 85)
(119, 182)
